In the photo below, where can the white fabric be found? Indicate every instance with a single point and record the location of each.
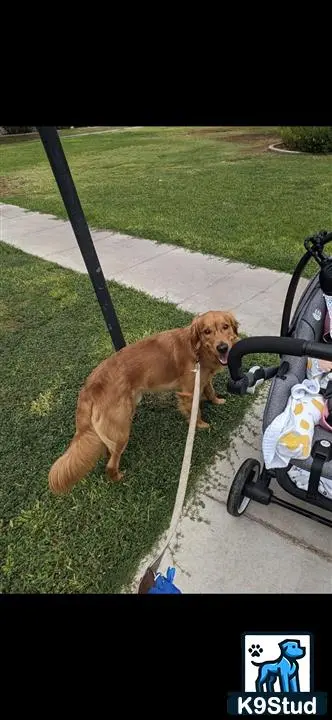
(320, 370)
(301, 479)
(290, 434)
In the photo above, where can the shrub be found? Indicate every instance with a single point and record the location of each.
(312, 139)
(15, 130)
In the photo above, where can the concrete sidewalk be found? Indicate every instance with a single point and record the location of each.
(268, 549)
(194, 281)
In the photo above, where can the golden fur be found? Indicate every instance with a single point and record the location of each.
(107, 402)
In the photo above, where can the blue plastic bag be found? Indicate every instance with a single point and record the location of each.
(164, 585)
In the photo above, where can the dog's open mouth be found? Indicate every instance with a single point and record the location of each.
(223, 357)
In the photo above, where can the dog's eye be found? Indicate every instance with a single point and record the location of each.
(207, 331)
(226, 327)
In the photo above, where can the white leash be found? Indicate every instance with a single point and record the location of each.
(148, 577)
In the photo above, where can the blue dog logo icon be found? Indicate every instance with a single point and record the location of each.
(285, 668)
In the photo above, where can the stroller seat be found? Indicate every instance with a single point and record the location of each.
(307, 324)
(304, 337)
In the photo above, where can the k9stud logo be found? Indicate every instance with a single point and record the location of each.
(277, 676)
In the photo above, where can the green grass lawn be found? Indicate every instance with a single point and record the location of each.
(51, 336)
(28, 137)
(215, 190)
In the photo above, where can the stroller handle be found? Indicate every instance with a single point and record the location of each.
(240, 381)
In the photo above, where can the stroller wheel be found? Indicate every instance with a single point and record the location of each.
(237, 502)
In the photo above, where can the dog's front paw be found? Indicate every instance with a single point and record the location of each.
(218, 400)
(202, 424)
(115, 476)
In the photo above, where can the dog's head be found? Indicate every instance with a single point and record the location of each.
(292, 649)
(213, 334)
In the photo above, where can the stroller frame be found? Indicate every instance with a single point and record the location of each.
(252, 482)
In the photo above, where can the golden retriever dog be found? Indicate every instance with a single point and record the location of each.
(107, 402)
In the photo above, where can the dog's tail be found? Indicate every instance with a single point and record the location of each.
(82, 453)
(80, 457)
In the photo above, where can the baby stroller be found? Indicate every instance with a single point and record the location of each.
(299, 340)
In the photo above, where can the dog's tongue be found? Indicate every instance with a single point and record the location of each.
(224, 357)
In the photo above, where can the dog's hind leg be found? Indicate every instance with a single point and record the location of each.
(294, 684)
(263, 677)
(270, 684)
(259, 686)
(112, 466)
(114, 431)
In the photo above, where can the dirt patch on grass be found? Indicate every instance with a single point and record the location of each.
(252, 138)
(211, 130)
(7, 320)
(20, 137)
(252, 142)
(212, 133)
(10, 186)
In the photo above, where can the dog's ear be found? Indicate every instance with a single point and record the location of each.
(234, 323)
(195, 334)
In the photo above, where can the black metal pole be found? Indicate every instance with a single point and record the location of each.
(58, 162)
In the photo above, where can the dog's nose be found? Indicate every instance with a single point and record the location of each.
(222, 348)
